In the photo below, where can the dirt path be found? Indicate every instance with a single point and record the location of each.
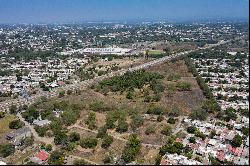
(36, 136)
(111, 134)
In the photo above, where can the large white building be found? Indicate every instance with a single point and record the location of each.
(101, 51)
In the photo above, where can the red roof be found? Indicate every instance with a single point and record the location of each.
(42, 155)
(221, 155)
(164, 162)
(238, 151)
(178, 139)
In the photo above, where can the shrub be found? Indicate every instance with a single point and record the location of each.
(6, 150)
(88, 142)
(167, 130)
(74, 136)
(150, 130)
(107, 141)
(171, 120)
(16, 124)
(183, 86)
(101, 132)
(132, 149)
(155, 110)
(122, 126)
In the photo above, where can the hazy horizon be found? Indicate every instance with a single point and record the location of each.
(80, 11)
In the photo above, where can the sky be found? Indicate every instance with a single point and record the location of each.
(64, 11)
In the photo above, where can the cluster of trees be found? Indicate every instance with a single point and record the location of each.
(227, 114)
(30, 114)
(171, 147)
(156, 110)
(6, 149)
(237, 141)
(99, 106)
(132, 149)
(196, 132)
(16, 124)
(131, 80)
(206, 91)
(199, 114)
(56, 157)
(88, 142)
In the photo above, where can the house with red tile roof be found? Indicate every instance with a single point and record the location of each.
(42, 155)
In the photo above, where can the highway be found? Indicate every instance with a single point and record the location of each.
(4, 106)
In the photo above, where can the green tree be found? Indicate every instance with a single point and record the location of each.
(80, 162)
(16, 124)
(237, 141)
(192, 140)
(167, 130)
(74, 136)
(88, 142)
(101, 132)
(106, 141)
(13, 109)
(132, 149)
(6, 150)
(91, 120)
(61, 94)
(56, 158)
(122, 126)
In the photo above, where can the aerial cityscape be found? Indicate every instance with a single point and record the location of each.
(130, 82)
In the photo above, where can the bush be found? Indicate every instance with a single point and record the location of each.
(122, 126)
(49, 147)
(101, 132)
(56, 158)
(155, 110)
(74, 136)
(183, 86)
(16, 124)
(167, 130)
(137, 121)
(199, 114)
(88, 142)
(160, 118)
(150, 130)
(107, 141)
(132, 149)
(2, 114)
(91, 120)
(237, 141)
(41, 131)
(80, 162)
(13, 109)
(171, 120)
(129, 95)
(98, 106)
(192, 140)
(175, 112)
(61, 94)
(201, 135)
(6, 150)
(191, 129)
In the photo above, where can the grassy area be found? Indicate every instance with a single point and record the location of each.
(4, 124)
(155, 52)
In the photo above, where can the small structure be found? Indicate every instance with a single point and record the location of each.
(18, 135)
(40, 157)
(41, 123)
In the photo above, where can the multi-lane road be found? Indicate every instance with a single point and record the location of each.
(4, 106)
